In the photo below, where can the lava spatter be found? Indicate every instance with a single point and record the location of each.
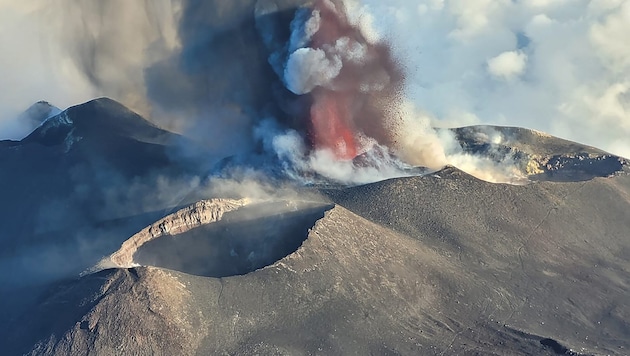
(345, 76)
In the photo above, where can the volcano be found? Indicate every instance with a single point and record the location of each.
(303, 207)
(82, 178)
(441, 263)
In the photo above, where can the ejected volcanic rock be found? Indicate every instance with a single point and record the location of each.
(440, 264)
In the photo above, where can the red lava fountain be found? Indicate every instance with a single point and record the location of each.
(330, 123)
(348, 105)
(331, 117)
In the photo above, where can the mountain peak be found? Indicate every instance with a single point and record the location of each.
(98, 118)
(39, 112)
(108, 114)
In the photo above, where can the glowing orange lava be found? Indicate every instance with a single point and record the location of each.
(357, 102)
(331, 128)
(331, 117)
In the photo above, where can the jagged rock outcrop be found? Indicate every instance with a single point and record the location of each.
(198, 214)
(539, 156)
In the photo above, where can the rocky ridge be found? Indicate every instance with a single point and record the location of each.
(539, 156)
(200, 213)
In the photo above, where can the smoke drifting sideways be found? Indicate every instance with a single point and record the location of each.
(70, 51)
(308, 88)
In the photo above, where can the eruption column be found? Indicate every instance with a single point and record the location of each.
(351, 81)
(330, 123)
(331, 118)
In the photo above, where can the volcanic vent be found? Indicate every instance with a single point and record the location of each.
(221, 237)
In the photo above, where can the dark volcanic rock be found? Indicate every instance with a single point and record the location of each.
(549, 258)
(62, 173)
(77, 186)
(243, 241)
(38, 113)
(433, 265)
(105, 130)
(114, 312)
(353, 287)
(441, 264)
(540, 156)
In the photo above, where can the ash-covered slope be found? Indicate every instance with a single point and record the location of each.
(103, 129)
(440, 264)
(74, 188)
(551, 257)
(38, 113)
(90, 147)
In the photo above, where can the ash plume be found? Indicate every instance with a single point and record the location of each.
(323, 88)
(71, 51)
(359, 126)
(349, 79)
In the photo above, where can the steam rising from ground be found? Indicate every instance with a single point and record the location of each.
(331, 89)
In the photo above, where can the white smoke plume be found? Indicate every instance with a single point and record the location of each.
(335, 56)
(308, 68)
(556, 66)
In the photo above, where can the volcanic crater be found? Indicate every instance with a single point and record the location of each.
(222, 238)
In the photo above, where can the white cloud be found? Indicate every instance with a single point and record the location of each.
(567, 60)
(566, 63)
(610, 38)
(507, 65)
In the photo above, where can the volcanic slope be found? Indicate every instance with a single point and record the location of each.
(78, 185)
(434, 265)
(87, 149)
(539, 156)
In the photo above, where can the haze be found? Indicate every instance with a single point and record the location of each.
(557, 66)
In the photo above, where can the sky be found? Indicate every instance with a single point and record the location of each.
(558, 66)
